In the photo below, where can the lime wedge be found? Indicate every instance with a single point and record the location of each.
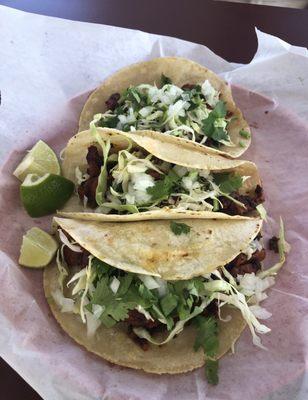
(40, 160)
(44, 195)
(37, 249)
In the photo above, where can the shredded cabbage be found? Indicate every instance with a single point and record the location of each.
(262, 211)
(179, 326)
(244, 292)
(66, 304)
(66, 242)
(141, 310)
(211, 95)
(61, 267)
(168, 109)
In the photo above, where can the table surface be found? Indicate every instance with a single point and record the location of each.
(226, 28)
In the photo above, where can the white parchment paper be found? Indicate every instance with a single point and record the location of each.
(48, 66)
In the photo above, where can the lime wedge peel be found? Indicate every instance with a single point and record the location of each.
(38, 249)
(40, 160)
(44, 195)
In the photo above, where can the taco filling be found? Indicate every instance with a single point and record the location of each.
(154, 311)
(193, 111)
(132, 181)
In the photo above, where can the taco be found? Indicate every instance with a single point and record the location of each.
(173, 95)
(143, 175)
(161, 296)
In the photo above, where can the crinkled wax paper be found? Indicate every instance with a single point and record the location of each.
(48, 67)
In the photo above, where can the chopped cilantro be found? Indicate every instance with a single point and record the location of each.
(220, 110)
(163, 187)
(211, 371)
(131, 94)
(109, 122)
(178, 228)
(168, 303)
(207, 335)
(244, 134)
(227, 182)
(164, 80)
(216, 133)
(126, 114)
(242, 144)
(115, 307)
(207, 339)
(100, 267)
(219, 134)
(179, 301)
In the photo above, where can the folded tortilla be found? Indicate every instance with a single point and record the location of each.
(162, 147)
(114, 345)
(150, 247)
(181, 71)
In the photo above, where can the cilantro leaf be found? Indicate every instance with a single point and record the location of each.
(163, 187)
(207, 338)
(107, 321)
(168, 303)
(148, 296)
(242, 144)
(178, 228)
(100, 267)
(101, 292)
(108, 122)
(207, 335)
(211, 371)
(244, 134)
(208, 124)
(183, 309)
(227, 182)
(219, 134)
(125, 282)
(164, 80)
(220, 110)
(216, 133)
(118, 310)
(159, 315)
(115, 307)
(132, 95)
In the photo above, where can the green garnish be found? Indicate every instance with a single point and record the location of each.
(220, 109)
(244, 134)
(171, 109)
(178, 228)
(164, 80)
(164, 187)
(209, 128)
(168, 303)
(228, 183)
(132, 95)
(242, 144)
(137, 291)
(211, 371)
(207, 339)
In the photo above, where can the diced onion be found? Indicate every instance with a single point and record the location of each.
(114, 285)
